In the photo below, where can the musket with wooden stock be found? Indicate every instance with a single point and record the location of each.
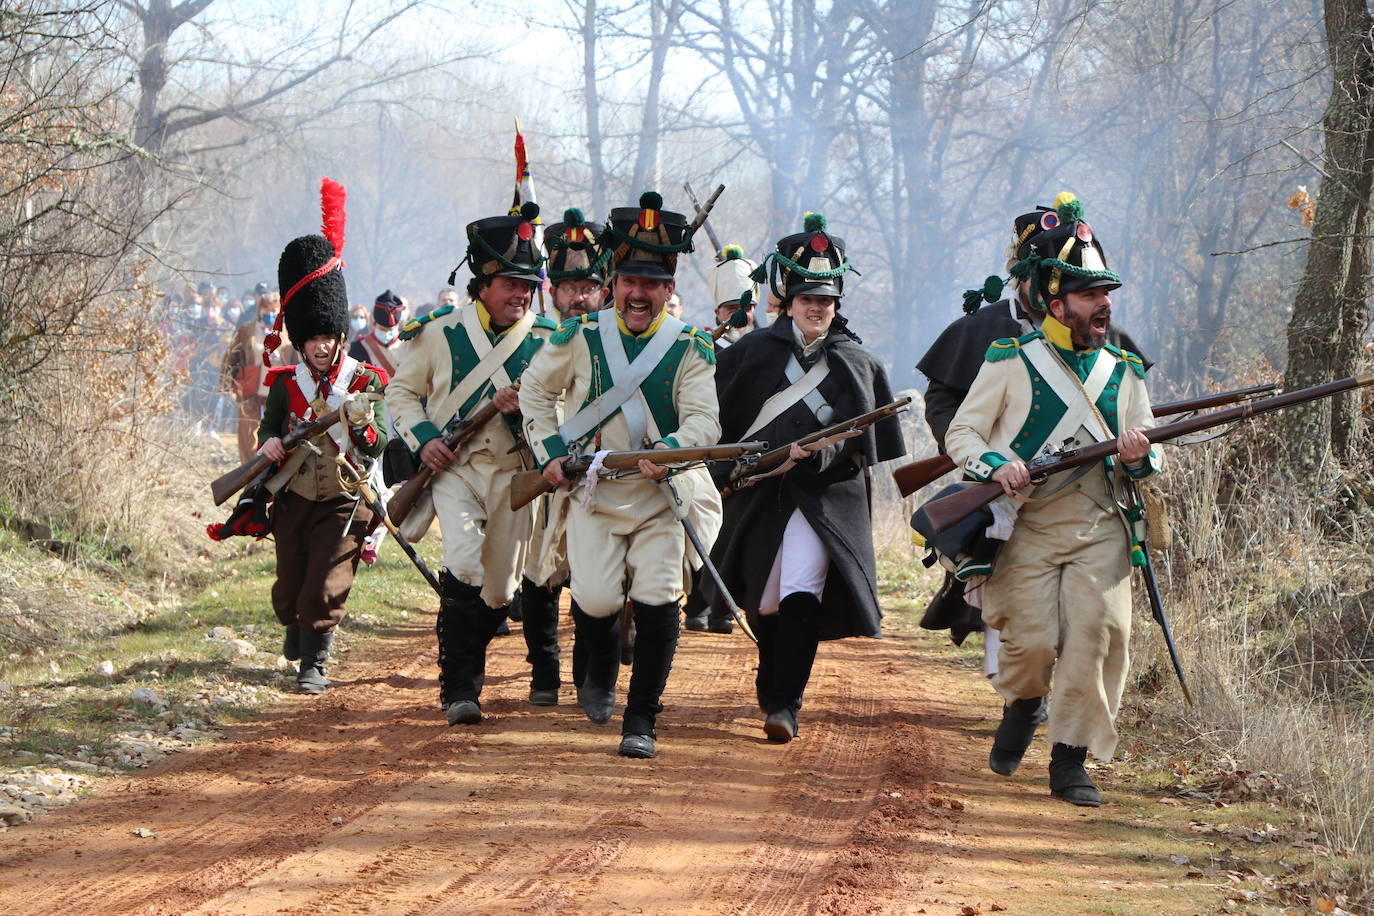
(460, 431)
(779, 460)
(948, 511)
(226, 486)
(527, 486)
(701, 214)
(912, 477)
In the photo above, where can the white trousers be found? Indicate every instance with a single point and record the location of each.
(801, 565)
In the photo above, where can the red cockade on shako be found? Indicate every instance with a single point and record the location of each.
(332, 223)
(820, 243)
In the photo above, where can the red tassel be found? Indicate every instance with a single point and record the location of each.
(332, 197)
(216, 531)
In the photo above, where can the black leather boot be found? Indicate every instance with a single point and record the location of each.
(799, 625)
(694, 608)
(766, 629)
(655, 645)
(314, 649)
(539, 620)
(598, 644)
(465, 626)
(291, 643)
(1068, 778)
(1014, 734)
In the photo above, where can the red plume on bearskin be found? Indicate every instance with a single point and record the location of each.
(332, 197)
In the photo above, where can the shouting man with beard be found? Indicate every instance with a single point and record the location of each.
(1060, 592)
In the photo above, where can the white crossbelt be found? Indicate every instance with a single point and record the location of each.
(1079, 399)
(624, 394)
(803, 387)
(491, 362)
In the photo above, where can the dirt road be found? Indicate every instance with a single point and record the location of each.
(363, 801)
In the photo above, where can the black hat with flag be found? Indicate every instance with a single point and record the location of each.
(1065, 257)
(574, 249)
(310, 271)
(808, 262)
(504, 246)
(645, 241)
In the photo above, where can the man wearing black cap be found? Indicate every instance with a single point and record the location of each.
(797, 549)
(317, 527)
(950, 366)
(459, 360)
(1060, 592)
(631, 377)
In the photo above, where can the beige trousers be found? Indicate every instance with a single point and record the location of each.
(546, 562)
(1061, 598)
(626, 544)
(484, 541)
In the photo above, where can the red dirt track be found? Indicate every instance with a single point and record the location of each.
(363, 801)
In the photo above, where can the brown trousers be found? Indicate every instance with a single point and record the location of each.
(316, 558)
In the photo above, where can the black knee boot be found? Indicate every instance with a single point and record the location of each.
(694, 608)
(799, 626)
(766, 629)
(314, 653)
(596, 651)
(655, 645)
(465, 626)
(539, 619)
(1014, 734)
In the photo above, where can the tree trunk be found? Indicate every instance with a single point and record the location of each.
(1330, 310)
(592, 97)
(662, 23)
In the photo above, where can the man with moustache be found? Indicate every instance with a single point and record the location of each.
(459, 360)
(950, 366)
(1060, 592)
(631, 377)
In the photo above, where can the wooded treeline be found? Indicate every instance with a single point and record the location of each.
(173, 140)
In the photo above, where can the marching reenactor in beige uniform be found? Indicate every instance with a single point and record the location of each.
(1060, 591)
(460, 359)
(577, 274)
(631, 377)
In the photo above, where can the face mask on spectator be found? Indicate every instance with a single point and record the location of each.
(359, 323)
(269, 319)
(386, 335)
(194, 310)
(231, 314)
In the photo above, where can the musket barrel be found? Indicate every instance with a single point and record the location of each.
(948, 511)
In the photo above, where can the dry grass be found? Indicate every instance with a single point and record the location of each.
(1268, 590)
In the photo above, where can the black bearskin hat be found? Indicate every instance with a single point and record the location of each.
(320, 306)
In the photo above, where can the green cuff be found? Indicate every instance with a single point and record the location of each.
(991, 460)
(1142, 469)
(554, 447)
(670, 441)
(422, 432)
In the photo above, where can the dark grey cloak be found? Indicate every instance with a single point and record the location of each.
(830, 488)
